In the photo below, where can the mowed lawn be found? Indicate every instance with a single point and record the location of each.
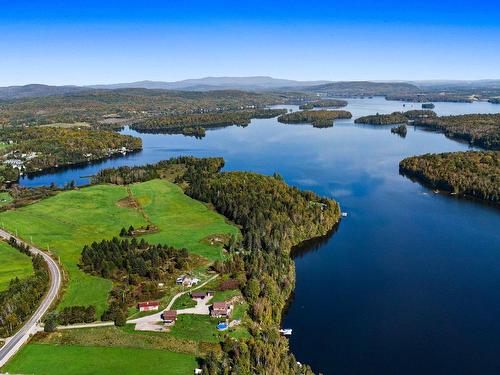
(68, 221)
(183, 222)
(13, 264)
(41, 359)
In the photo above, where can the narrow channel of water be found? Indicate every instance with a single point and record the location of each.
(409, 282)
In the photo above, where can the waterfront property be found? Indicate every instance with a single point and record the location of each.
(220, 309)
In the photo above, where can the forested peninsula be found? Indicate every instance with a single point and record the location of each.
(191, 123)
(273, 218)
(478, 129)
(319, 119)
(472, 173)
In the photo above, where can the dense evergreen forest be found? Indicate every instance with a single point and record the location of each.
(123, 258)
(186, 124)
(22, 297)
(471, 173)
(37, 148)
(395, 117)
(274, 217)
(324, 103)
(319, 119)
(478, 129)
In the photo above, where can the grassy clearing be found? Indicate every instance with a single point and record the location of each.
(226, 295)
(183, 302)
(5, 198)
(66, 222)
(196, 328)
(12, 264)
(183, 222)
(78, 360)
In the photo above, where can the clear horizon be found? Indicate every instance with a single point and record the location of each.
(88, 43)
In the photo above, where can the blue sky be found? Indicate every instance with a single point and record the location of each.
(87, 42)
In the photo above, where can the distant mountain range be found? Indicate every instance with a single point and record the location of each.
(215, 83)
(258, 83)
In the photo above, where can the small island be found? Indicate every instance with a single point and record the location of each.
(399, 130)
(318, 119)
(395, 117)
(495, 100)
(428, 106)
(472, 173)
(325, 103)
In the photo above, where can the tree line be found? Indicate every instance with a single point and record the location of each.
(174, 169)
(324, 103)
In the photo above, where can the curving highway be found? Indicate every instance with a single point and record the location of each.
(15, 342)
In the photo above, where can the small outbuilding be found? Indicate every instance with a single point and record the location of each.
(201, 295)
(148, 306)
(169, 316)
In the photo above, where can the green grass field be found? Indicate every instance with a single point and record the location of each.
(12, 264)
(5, 198)
(66, 222)
(196, 328)
(47, 359)
(183, 222)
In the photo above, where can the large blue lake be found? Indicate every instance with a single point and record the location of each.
(410, 281)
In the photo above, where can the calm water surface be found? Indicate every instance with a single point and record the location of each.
(409, 283)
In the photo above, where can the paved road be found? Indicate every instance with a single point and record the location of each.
(30, 327)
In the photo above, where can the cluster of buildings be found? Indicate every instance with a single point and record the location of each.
(17, 159)
(216, 310)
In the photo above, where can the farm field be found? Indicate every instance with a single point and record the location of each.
(79, 360)
(183, 222)
(66, 222)
(12, 264)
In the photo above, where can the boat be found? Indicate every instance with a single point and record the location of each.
(344, 214)
(286, 331)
